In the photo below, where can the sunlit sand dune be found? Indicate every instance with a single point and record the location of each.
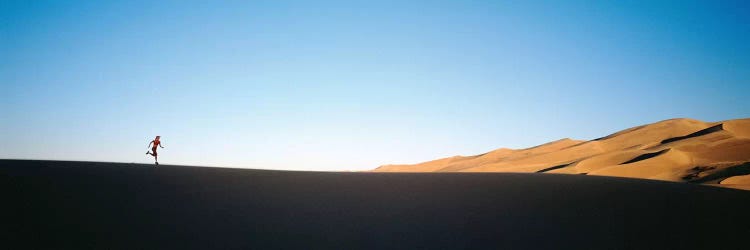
(682, 150)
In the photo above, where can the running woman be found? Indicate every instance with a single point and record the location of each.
(155, 142)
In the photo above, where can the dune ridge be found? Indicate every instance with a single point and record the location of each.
(105, 205)
(680, 150)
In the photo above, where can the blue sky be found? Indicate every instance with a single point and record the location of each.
(350, 85)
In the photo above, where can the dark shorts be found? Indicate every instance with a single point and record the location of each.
(153, 150)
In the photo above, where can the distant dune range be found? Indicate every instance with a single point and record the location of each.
(680, 150)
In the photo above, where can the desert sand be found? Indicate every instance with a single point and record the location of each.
(680, 150)
(95, 205)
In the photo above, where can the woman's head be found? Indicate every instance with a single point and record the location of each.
(157, 137)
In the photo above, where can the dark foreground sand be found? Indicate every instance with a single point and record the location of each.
(55, 204)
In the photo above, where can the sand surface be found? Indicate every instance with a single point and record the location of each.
(84, 205)
(680, 150)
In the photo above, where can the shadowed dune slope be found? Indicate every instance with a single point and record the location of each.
(667, 150)
(94, 205)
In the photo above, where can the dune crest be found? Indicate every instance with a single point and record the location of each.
(681, 149)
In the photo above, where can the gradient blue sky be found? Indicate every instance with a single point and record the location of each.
(350, 85)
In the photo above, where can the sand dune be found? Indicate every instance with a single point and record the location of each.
(98, 205)
(682, 150)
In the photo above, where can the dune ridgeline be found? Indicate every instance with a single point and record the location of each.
(680, 150)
